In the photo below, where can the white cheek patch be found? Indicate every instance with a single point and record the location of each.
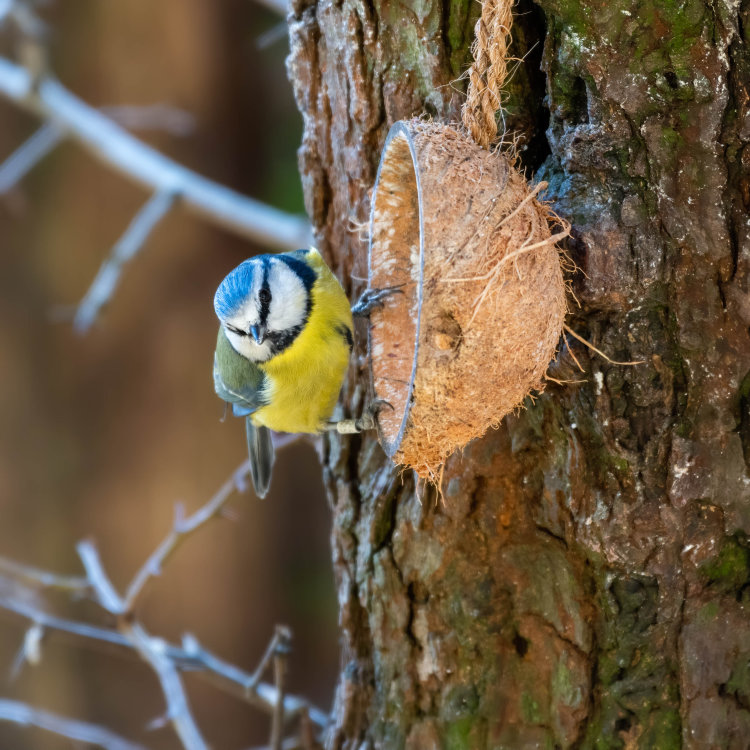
(289, 298)
(245, 316)
(246, 346)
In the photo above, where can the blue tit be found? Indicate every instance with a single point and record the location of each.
(285, 337)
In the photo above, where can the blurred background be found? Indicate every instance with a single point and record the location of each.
(101, 434)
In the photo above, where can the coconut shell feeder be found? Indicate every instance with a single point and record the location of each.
(462, 234)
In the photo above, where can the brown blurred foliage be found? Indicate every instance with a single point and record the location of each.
(100, 435)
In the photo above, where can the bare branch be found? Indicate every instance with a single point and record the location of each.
(49, 136)
(106, 594)
(104, 285)
(191, 657)
(154, 651)
(28, 155)
(165, 659)
(114, 146)
(181, 529)
(21, 601)
(30, 574)
(160, 116)
(5, 8)
(282, 637)
(274, 34)
(79, 731)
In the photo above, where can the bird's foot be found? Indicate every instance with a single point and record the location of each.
(365, 422)
(371, 299)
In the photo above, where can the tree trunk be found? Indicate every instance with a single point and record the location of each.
(585, 581)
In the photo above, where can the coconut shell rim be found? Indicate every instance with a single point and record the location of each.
(399, 129)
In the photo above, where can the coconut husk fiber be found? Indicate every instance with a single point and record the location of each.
(458, 229)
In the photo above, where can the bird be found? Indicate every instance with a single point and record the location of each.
(283, 348)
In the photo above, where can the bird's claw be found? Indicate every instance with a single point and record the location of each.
(372, 299)
(365, 422)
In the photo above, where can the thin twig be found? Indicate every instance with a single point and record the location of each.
(181, 529)
(104, 285)
(106, 594)
(37, 576)
(6, 6)
(160, 116)
(114, 146)
(274, 34)
(78, 731)
(164, 658)
(152, 650)
(191, 657)
(28, 155)
(307, 732)
(49, 136)
(282, 637)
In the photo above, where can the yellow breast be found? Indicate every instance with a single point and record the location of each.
(305, 379)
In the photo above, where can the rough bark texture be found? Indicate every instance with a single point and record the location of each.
(586, 582)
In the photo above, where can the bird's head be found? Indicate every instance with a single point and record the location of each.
(264, 303)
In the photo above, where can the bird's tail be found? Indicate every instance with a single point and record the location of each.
(260, 450)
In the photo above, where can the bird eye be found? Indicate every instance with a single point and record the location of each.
(236, 330)
(264, 295)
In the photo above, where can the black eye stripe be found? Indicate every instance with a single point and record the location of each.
(264, 297)
(236, 330)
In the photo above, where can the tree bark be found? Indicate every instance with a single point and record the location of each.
(585, 581)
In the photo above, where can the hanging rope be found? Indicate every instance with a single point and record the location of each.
(488, 71)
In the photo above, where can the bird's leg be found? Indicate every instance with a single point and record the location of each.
(374, 298)
(365, 422)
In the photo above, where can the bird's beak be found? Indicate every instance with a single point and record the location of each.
(258, 333)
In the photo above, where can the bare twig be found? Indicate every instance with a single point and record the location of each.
(5, 8)
(274, 34)
(49, 136)
(280, 653)
(28, 155)
(191, 657)
(279, 634)
(165, 659)
(123, 152)
(152, 650)
(160, 116)
(106, 593)
(79, 731)
(37, 576)
(307, 733)
(181, 529)
(104, 285)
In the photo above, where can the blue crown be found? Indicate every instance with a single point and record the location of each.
(233, 291)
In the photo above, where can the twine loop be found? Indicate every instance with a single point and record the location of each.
(488, 71)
